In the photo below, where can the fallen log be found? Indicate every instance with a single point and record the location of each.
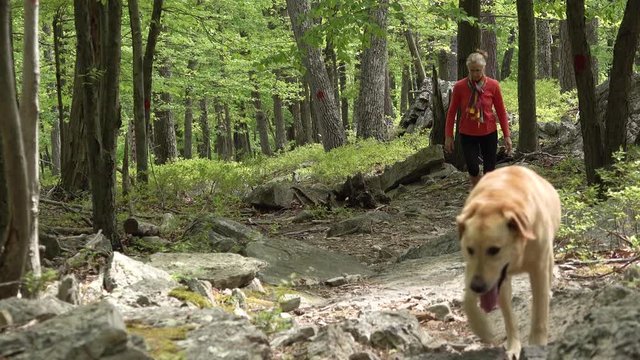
(135, 227)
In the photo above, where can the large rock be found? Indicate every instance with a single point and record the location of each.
(14, 311)
(221, 270)
(271, 196)
(362, 224)
(611, 330)
(286, 257)
(220, 234)
(212, 333)
(412, 168)
(390, 330)
(89, 332)
(331, 343)
(441, 245)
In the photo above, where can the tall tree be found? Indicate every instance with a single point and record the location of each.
(278, 120)
(147, 61)
(344, 102)
(415, 55)
(188, 116)
(140, 129)
(543, 32)
(333, 134)
(566, 76)
(528, 135)
(164, 135)
(617, 113)
(261, 122)
(505, 69)
(370, 115)
(468, 41)
(18, 166)
(204, 149)
(489, 39)
(591, 129)
(56, 141)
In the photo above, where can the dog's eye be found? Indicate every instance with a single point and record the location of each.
(493, 250)
(470, 251)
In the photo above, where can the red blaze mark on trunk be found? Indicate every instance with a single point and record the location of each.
(147, 104)
(320, 95)
(580, 63)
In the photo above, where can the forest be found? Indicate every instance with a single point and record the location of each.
(135, 120)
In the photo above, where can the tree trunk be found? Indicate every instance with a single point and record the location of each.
(370, 114)
(389, 85)
(566, 76)
(617, 113)
(325, 107)
(490, 41)
(344, 102)
(437, 135)
(74, 162)
(4, 195)
(56, 140)
(332, 70)
(126, 183)
(298, 130)
(555, 50)
(141, 149)
(505, 70)
(278, 120)
(592, 40)
(261, 123)
(204, 149)
(305, 112)
(16, 238)
(528, 135)
(165, 142)
(415, 56)
(241, 137)
(147, 64)
(591, 129)
(404, 90)
(544, 41)
(228, 151)
(468, 42)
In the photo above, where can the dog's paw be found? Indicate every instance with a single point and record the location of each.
(513, 350)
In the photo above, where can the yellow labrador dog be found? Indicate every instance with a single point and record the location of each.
(507, 227)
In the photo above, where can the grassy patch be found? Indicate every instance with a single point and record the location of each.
(185, 294)
(161, 341)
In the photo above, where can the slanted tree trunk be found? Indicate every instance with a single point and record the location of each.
(204, 149)
(17, 236)
(505, 69)
(591, 130)
(437, 135)
(369, 115)
(141, 150)
(566, 77)
(147, 63)
(528, 135)
(415, 56)
(489, 40)
(544, 41)
(617, 113)
(325, 106)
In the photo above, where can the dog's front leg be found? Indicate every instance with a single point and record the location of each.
(540, 289)
(512, 346)
(476, 318)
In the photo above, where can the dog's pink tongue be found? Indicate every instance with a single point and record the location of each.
(489, 300)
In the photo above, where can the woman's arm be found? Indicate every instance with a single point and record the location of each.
(451, 113)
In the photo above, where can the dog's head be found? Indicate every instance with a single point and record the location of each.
(493, 236)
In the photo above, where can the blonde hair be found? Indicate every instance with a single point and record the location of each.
(477, 57)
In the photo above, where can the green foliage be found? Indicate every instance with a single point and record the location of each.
(187, 295)
(162, 341)
(551, 105)
(270, 321)
(36, 284)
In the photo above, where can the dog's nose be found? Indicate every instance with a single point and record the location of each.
(478, 285)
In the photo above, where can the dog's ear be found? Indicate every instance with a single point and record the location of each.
(462, 218)
(519, 223)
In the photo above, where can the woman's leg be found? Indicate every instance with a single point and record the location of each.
(471, 151)
(489, 148)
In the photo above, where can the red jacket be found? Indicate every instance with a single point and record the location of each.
(492, 97)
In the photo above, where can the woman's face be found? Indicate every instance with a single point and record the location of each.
(476, 71)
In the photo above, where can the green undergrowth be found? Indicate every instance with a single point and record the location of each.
(219, 186)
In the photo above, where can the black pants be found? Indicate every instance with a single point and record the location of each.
(473, 146)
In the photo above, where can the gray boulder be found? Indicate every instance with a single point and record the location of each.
(14, 311)
(441, 245)
(221, 235)
(271, 196)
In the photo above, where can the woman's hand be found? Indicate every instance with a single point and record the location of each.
(448, 144)
(508, 145)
